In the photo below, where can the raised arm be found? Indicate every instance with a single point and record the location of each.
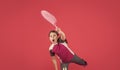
(62, 34)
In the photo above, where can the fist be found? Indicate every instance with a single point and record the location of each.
(58, 30)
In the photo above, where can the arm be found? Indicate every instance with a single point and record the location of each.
(54, 62)
(62, 34)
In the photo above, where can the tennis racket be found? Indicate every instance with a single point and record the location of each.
(49, 17)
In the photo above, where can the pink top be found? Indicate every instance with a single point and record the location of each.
(62, 51)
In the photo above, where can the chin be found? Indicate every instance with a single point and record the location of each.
(52, 42)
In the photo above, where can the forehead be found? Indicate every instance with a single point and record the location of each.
(53, 33)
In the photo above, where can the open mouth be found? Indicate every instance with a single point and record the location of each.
(53, 40)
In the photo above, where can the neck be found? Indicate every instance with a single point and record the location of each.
(54, 43)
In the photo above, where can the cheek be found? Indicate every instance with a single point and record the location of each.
(49, 38)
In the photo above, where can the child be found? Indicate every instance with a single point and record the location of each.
(60, 48)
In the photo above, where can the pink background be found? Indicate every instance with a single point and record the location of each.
(92, 28)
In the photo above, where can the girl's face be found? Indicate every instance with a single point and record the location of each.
(53, 37)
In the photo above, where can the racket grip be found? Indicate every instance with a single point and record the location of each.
(55, 26)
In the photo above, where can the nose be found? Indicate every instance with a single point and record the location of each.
(53, 36)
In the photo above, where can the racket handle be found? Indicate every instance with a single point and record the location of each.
(55, 26)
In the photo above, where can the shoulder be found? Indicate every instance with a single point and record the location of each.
(64, 43)
(51, 46)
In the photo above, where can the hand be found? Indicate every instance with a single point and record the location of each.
(58, 30)
(61, 33)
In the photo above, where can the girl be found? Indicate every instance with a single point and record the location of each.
(60, 48)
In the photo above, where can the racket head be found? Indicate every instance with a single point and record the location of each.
(49, 17)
